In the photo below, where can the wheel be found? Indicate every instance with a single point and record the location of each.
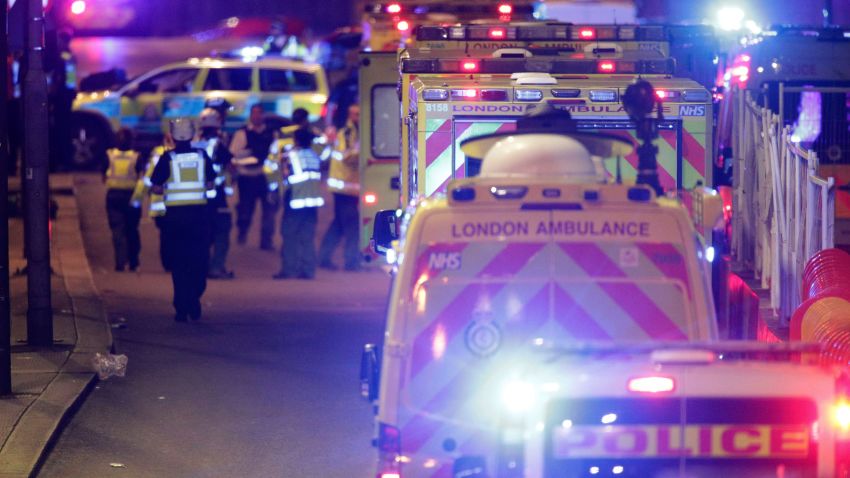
(89, 140)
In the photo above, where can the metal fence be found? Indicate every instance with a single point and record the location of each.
(783, 211)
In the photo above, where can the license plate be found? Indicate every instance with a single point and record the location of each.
(696, 441)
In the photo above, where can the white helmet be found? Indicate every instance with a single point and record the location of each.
(210, 118)
(182, 129)
(542, 155)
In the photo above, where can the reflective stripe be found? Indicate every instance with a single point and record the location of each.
(121, 173)
(147, 181)
(228, 190)
(210, 193)
(157, 206)
(337, 155)
(219, 180)
(304, 176)
(273, 186)
(306, 202)
(185, 196)
(184, 185)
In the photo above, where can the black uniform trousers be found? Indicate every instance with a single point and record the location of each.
(298, 254)
(186, 232)
(251, 190)
(343, 227)
(124, 224)
(222, 223)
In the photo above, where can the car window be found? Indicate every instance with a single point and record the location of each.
(287, 80)
(229, 79)
(172, 81)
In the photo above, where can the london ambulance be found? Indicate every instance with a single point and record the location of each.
(462, 55)
(544, 322)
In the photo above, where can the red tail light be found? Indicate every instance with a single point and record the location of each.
(497, 33)
(652, 384)
(607, 67)
(403, 26)
(506, 9)
(394, 8)
(469, 66)
(587, 33)
(370, 198)
(390, 475)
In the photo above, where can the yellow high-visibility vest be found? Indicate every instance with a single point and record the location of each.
(121, 173)
(187, 183)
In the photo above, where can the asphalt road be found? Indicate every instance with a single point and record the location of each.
(264, 385)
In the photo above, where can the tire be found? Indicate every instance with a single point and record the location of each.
(90, 138)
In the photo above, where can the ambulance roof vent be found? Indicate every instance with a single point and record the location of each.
(542, 155)
(534, 78)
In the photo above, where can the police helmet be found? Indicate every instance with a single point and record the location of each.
(210, 118)
(182, 129)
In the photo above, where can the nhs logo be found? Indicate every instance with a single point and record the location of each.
(439, 261)
(692, 110)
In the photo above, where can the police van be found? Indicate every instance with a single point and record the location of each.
(546, 322)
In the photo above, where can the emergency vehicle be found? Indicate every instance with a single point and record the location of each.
(388, 26)
(146, 104)
(545, 322)
(461, 60)
(803, 75)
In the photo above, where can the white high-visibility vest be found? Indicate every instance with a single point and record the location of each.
(187, 183)
(305, 179)
(121, 173)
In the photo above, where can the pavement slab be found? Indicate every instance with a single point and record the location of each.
(48, 383)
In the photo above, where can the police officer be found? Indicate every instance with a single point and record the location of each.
(212, 141)
(344, 182)
(185, 176)
(249, 147)
(303, 200)
(120, 174)
(156, 209)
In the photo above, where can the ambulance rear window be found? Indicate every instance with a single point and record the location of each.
(386, 132)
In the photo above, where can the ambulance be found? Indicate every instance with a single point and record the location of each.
(545, 322)
(388, 26)
(460, 60)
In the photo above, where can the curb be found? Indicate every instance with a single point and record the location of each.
(41, 424)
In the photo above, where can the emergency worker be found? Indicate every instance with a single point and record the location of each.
(344, 183)
(249, 148)
(120, 174)
(212, 141)
(156, 208)
(298, 254)
(185, 176)
(284, 142)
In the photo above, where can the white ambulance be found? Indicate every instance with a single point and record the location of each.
(545, 323)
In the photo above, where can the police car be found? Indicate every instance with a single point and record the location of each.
(147, 103)
(545, 322)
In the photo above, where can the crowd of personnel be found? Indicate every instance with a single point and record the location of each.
(187, 183)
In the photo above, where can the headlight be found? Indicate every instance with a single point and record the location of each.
(518, 397)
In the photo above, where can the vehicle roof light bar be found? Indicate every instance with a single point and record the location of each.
(536, 64)
(558, 32)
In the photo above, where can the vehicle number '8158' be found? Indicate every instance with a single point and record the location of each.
(437, 107)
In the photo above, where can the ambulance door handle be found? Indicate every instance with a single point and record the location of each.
(395, 183)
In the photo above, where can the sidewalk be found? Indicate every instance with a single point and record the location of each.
(49, 383)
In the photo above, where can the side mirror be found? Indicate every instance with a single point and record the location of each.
(385, 231)
(369, 373)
